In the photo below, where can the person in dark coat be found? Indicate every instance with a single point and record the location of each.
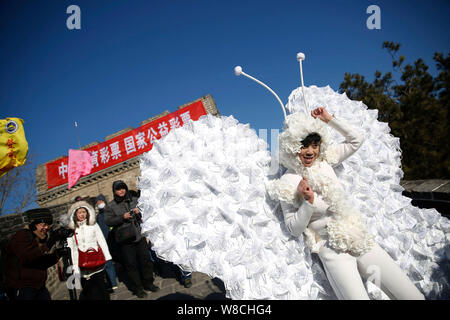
(100, 203)
(134, 253)
(28, 257)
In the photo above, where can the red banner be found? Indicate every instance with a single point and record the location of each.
(127, 145)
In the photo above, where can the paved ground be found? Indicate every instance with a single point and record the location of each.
(203, 287)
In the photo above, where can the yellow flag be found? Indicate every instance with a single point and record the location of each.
(13, 145)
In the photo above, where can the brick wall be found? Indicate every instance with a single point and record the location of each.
(10, 224)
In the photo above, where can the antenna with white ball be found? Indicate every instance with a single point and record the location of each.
(238, 71)
(300, 58)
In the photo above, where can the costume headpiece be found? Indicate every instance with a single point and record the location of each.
(298, 126)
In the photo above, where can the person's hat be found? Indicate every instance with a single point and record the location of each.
(39, 215)
(100, 197)
(119, 184)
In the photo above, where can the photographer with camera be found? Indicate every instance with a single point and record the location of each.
(28, 256)
(122, 214)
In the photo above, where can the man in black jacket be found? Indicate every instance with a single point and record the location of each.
(134, 253)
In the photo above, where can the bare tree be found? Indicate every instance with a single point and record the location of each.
(18, 188)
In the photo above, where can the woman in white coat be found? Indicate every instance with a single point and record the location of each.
(87, 235)
(314, 203)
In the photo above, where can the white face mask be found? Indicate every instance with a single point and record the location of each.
(101, 205)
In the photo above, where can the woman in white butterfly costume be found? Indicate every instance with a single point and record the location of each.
(211, 203)
(313, 202)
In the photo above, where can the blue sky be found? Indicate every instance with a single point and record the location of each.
(133, 59)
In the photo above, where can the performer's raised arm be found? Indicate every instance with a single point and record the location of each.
(353, 139)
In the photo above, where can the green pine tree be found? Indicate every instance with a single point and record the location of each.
(416, 109)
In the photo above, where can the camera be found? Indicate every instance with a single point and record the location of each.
(59, 234)
(137, 216)
(63, 233)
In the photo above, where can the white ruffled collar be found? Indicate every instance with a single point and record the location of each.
(346, 230)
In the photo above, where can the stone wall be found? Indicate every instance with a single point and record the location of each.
(93, 185)
(10, 224)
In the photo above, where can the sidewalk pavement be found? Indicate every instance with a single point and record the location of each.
(203, 287)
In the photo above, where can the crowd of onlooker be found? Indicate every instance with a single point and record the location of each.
(103, 237)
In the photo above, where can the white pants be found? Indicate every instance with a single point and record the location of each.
(344, 273)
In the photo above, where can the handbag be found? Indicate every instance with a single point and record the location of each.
(91, 258)
(60, 269)
(127, 232)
